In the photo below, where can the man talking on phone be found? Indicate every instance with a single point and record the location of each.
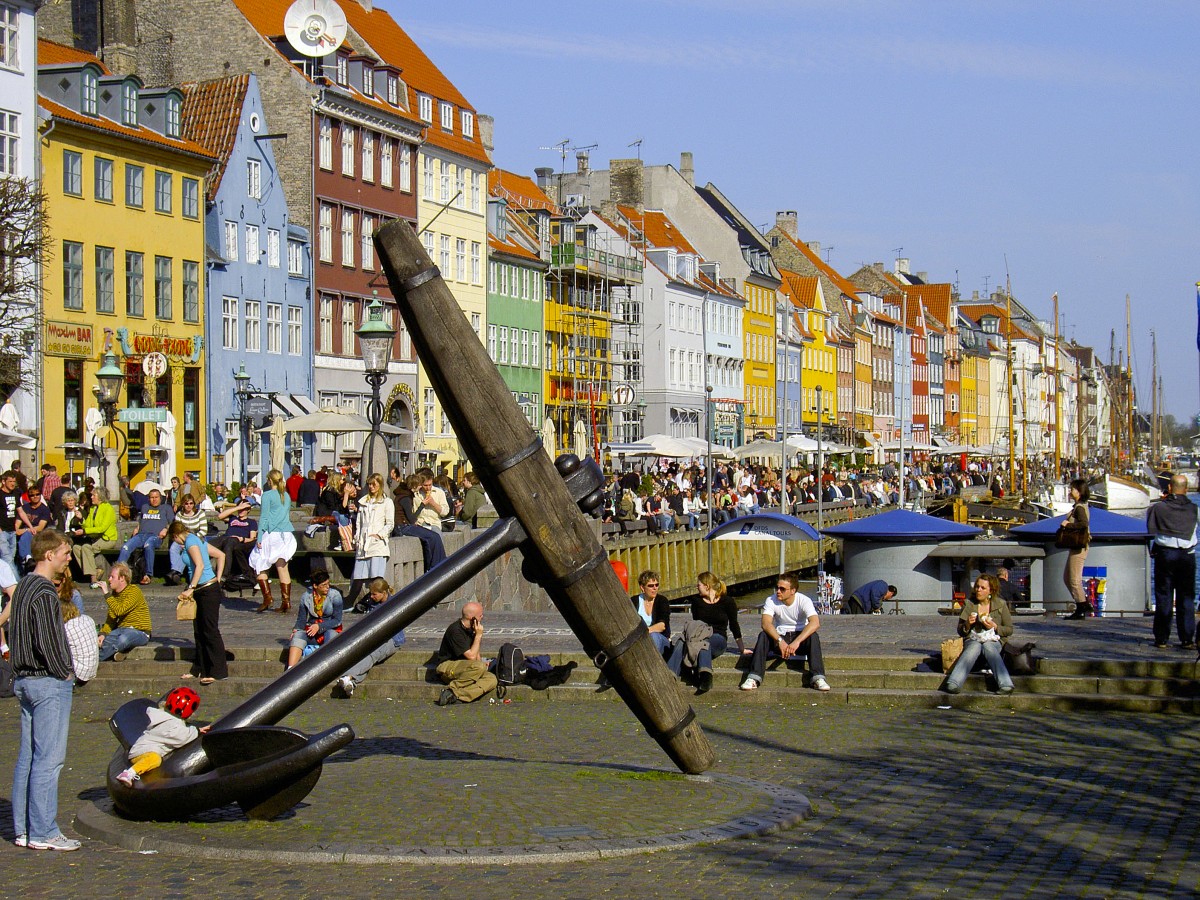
(460, 664)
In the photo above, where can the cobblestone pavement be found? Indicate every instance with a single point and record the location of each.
(908, 803)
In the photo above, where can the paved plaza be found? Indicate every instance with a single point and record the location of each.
(922, 803)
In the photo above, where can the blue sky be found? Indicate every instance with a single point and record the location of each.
(1056, 141)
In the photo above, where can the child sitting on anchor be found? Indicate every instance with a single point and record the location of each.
(165, 733)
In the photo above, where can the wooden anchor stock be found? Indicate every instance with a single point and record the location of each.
(561, 551)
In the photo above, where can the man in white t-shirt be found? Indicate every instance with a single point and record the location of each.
(789, 630)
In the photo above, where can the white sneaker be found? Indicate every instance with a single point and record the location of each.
(819, 683)
(21, 840)
(347, 685)
(59, 842)
(750, 684)
(128, 777)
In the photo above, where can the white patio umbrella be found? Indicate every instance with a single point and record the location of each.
(14, 440)
(703, 448)
(660, 445)
(759, 448)
(166, 440)
(548, 437)
(580, 440)
(278, 434)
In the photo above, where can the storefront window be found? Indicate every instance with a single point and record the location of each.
(73, 399)
(191, 418)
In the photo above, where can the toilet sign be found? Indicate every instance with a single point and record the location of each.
(154, 365)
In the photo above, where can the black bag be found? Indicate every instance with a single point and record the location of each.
(6, 678)
(510, 665)
(1070, 538)
(1019, 660)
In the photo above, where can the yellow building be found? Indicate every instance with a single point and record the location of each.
(968, 427)
(758, 330)
(819, 359)
(125, 267)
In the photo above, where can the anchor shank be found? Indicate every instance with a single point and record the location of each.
(496, 438)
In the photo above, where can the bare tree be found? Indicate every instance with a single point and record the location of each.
(24, 239)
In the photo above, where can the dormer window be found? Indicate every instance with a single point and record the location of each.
(426, 108)
(468, 123)
(368, 81)
(393, 90)
(447, 110)
(89, 103)
(129, 104)
(174, 117)
(342, 73)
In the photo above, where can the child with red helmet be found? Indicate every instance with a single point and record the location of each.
(166, 732)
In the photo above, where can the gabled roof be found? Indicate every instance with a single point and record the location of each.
(519, 191)
(212, 113)
(936, 298)
(801, 288)
(976, 311)
(842, 283)
(52, 53)
(660, 232)
(377, 31)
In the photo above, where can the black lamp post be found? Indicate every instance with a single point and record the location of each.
(109, 379)
(242, 390)
(375, 338)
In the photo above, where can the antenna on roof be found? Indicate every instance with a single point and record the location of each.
(986, 292)
(638, 144)
(827, 251)
(562, 147)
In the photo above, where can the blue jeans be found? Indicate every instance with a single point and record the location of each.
(666, 523)
(45, 720)
(1174, 591)
(122, 640)
(358, 672)
(662, 643)
(971, 650)
(8, 548)
(716, 646)
(24, 544)
(147, 543)
(175, 554)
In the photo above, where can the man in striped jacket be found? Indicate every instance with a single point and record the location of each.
(44, 680)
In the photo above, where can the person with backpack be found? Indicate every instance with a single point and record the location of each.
(460, 663)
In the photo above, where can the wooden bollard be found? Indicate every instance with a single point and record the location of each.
(521, 481)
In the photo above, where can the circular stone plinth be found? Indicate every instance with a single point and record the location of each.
(473, 810)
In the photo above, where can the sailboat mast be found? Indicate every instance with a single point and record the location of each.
(1155, 450)
(1012, 439)
(1129, 408)
(1057, 400)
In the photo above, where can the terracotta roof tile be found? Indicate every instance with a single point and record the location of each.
(378, 31)
(145, 135)
(659, 230)
(212, 112)
(842, 283)
(519, 190)
(51, 53)
(801, 288)
(936, 298)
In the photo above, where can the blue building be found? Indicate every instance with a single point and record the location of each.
(258, 302)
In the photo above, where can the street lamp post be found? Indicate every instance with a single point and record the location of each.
(109, 378)
(375, 338)
(242, 391)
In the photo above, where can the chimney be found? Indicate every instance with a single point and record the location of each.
(924, 276)
(901, 265)
(542, 175)
(814, 246)
(687, 168)
(788, 222)
(625, 182)
(581, 162)
(366, 4)
(487, 131)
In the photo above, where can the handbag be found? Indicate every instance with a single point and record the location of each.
(185, 609)
(1019, 660)
(1070, 538)
(952, 649)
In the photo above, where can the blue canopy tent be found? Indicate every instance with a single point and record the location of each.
(1104, 526)
(764, 527)
(902, 525)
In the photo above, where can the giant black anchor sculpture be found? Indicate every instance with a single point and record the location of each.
(247, 759)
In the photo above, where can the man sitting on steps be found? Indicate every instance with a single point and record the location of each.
(460, 663)
(789, 629)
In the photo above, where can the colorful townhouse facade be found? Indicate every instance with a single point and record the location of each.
(258, 274)
(113, 152)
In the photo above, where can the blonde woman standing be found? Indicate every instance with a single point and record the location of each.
(372, 533)
(276, 542)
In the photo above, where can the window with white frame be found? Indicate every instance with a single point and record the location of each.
(325, 145)
(476, 180)
(102, 179)
(347, 237)
(274, 327)
(385, 161)
(295, 258)
(460, 259)
(444, 181)
(427, 171)
(341, 73)
(368, 156)
(295, 330)
(254, 179)
(348, 348)
(535, 350)
(405, 168)
(229, 323)
(174, 117)
(231, 241)
(425, 107)
(514, 344)
(325, 325)
(524, 346)
(325, 233)
(444, 256)
(252, 246)
(460, 188)
(491, 342)
(347, 149)
(477, 325)
(427, 239)
(162, 191)
(429, 405)
(368, 81)
(253, 326)
(89, 84)
(106, 292)
(447, 110)
(164, 300)
(134, 283)
(502, 346)
(134, 177)
(72, 173)
(468, 123)
(393, 90)
(476, 262)
(10, 142)
(368, 247)
(129, 104)
(191, 291)
(191, 198)
(273, 248)
(10, 32)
